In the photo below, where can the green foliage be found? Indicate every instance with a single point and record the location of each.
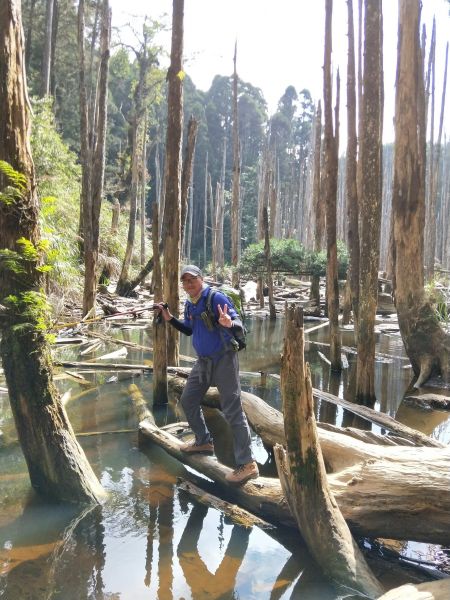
(13, 192)
(29, 309)
(58, 182)
(287, 256)
(290, 256)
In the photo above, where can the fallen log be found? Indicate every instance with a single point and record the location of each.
(303, 478)
(428, 401)
(235, 513)
(382, 491)
(430, 590)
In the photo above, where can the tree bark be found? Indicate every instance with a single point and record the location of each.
(159, 325)
(47, 51)
(370, 200)
(426, 344)
(235, 199)
(330, 191)
(93, 154)
(186, 176)
(272, 312)
(56, 462)
(172, 229)
(302, 473)
(137, 134)
(350, 173)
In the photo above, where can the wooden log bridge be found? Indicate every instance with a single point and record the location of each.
(382, 491)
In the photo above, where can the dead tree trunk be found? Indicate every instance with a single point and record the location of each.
(159, 325)
(430, 199)
(137, 135)
(93, 153)
(350, 173)
(330, 190)
(235, 200)
(186, 175)
(303, 477)
(56, 462)
(172, 229)
(370, 200)
(272, 312)
(426, 344)
(47, 51)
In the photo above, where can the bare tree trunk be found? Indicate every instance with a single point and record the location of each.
(115, 216)
(172, 216)
(92, 193)
(235, 200)
(47, 52)
(29, 34)
(350, 173)
(268, 258)
(186, 175)
(205, 212)
(159, 325)
(142, 195)
(56, 462)
(303, 476)
(426, 344)
(330, 189)
(219, 231)
(319, 212)
(435, 182)
(430, 199)
(137, 132)
(212, 210)
(370, 200)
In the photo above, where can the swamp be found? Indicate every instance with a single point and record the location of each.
(152, 538)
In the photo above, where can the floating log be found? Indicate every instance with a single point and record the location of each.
(303, 477)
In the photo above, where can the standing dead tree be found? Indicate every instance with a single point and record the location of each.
(303, 477)
(370, 199)
(426, 344)
(93, 138)
(330, 190)
(235, 198)
(172, 212)
(56, 463)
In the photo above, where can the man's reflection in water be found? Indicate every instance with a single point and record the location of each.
(203, 583)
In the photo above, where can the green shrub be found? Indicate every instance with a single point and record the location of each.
(290, 256)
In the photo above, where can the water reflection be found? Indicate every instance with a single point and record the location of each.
(149, 540)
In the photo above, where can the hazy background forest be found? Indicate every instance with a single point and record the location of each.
(287, 135)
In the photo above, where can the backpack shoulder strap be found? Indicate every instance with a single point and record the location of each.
(209, 302)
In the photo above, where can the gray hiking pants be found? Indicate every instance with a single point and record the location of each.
(223, 373)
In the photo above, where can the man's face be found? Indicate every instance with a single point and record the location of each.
(192, 284)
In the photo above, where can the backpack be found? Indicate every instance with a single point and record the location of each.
(239, 333)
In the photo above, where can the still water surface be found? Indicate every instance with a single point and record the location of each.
(151, 540)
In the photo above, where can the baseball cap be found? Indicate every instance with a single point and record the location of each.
(190, 270)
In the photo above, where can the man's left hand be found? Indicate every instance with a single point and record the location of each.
(224, 317)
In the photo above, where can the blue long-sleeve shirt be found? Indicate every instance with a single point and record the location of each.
(207, 341)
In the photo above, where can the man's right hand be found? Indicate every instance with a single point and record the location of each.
(162, 308)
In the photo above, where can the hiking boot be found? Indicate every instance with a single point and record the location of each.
(243, 473)
(195, 448)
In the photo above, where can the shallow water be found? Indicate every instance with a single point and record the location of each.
(150, 539)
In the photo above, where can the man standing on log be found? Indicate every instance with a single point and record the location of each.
(218, 365)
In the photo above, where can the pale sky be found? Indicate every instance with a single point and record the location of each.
(280, 43)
